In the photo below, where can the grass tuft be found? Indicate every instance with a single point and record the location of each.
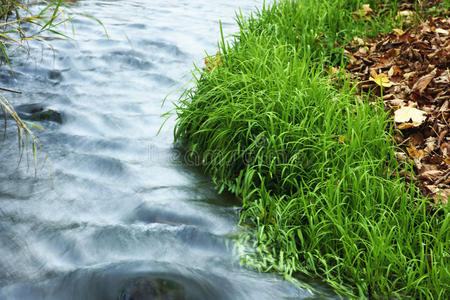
(313, 162)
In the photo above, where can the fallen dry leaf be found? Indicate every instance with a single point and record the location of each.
(441, 31)
(442, 197)
(400, 156)
(358, 41)
(396, 102)
(430, 144)
(394, 71)
(380, 79)
(416, 139)
(404, 126)
(334, 70)
(406, 16)
(398, 31)
(364, 11)
(431, 174)
(407, 114)
(405, 13)
(415, 153)
(423, 82)
(213, 62)
(445, 148)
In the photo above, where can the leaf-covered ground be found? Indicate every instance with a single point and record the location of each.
(410, 70)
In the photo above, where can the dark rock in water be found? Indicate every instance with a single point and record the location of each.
(146, 214)
(38, 112)
(47, 115)
(153, 289)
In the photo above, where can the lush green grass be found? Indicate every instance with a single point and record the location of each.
(313, 163)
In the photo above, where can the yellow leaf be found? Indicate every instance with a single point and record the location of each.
(334, 70)
(213, 62)
(380, 79)
(447, 160)
(408, 113)
(415, 153)
(398, 32)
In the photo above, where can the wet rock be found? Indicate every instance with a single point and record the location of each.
(153, 289)
(149, 215)
(38, 112)
(48, 115)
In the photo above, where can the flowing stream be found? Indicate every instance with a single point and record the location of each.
(123, 217)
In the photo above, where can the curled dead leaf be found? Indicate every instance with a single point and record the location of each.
(423, 82)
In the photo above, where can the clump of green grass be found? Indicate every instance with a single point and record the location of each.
(313, 163)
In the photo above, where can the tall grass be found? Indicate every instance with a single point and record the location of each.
(312, 162)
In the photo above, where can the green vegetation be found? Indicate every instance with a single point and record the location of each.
(312, 162)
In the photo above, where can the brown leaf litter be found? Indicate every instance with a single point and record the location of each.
(410, 70)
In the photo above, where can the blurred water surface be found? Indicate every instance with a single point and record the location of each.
(123, 213)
